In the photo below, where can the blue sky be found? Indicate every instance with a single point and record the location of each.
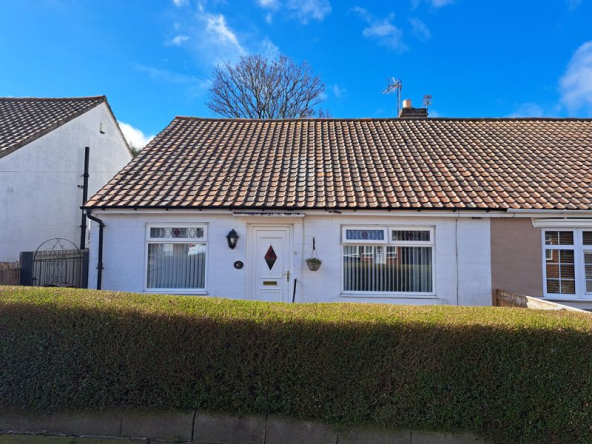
(153, 59)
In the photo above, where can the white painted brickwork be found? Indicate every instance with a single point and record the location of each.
(39, 194)
(125, 250)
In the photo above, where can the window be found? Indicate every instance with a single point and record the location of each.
(367, 235)
(401, 264)
(176, 258)
(568, 263)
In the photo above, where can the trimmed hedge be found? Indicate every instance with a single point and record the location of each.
(514, 374)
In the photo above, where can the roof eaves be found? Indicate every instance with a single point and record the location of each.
(285, 208)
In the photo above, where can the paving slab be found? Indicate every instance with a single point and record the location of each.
(23, 421)
(34, 439)
(91, 423)
(167, 425)
(374, 436)
(287, 431)
(105, 440)
(229, 429)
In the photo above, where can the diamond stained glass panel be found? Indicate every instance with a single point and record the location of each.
(270, 257)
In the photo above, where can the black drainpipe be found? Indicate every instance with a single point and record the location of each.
(84, 199)
(100, 258)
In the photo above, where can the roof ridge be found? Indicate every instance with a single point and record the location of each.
(51, 99)
(389, 119)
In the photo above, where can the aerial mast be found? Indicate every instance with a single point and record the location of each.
(427, 101)
(395, 86)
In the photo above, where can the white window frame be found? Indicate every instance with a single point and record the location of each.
(579, 266)
(180, 240)
(389, 243)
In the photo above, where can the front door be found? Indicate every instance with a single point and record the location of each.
(271, 264)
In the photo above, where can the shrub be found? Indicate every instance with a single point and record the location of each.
(518, 375)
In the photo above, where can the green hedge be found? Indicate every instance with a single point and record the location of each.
(518, 375)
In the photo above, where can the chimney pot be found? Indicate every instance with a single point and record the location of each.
(407, 103)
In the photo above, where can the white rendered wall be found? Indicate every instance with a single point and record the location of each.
(124, 254)
(39, 194)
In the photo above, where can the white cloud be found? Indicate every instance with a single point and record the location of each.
(529, 109)
(268, 49)
(576, 83)
(303, 10)
(306, 10)
(433, 3)
(382, 30)
(440, 3)
(212, 39)
(362, 13)
(134, 136)
(180, 3)
(572, 5)
(219, 32)
(269, 4)
(179, 39)
(420, 30)
(338, 91)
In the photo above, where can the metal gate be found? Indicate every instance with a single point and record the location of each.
(56, 263)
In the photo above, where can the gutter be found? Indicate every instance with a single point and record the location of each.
(100, 258)
(550, 211)
(293, 208)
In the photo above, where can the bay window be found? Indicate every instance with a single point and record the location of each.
(388, 260)
(567, 263)
(176, 257)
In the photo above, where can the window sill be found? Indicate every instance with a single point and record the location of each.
(389, 296)
(566, 299)
(178, 292)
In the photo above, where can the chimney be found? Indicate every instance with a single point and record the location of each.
(408, 112)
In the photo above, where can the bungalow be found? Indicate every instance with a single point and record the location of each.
(45, 145)
(408, 211)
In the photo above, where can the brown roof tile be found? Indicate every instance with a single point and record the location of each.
(351, 163)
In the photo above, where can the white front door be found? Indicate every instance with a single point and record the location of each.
(271, 263)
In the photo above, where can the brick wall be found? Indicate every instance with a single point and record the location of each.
(516, 256)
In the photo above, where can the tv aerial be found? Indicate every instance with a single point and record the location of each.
(394, 87)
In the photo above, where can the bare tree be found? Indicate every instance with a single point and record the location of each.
(259, 88)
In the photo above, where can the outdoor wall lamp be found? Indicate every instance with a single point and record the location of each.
(232, 238)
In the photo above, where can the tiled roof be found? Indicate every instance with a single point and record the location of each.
(23, 120)
(360, 164)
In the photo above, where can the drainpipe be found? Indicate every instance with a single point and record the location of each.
(100, 258)
(84, 198)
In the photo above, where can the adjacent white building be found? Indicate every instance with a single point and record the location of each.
(42, 160)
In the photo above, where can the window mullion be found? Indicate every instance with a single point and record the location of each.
(579, 271)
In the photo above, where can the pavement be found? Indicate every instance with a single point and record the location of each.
(10, 438)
